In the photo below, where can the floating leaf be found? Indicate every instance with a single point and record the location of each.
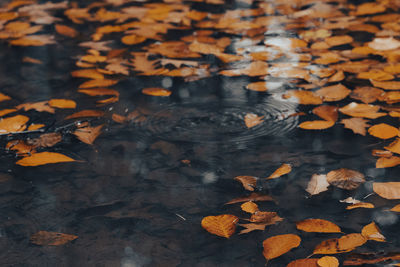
(252, 227)
(282, 170)
(383, 44)
(66, 31)
(381, 153)
(387, 162)
(392, 85)
(345, 178)
(252, 120)
(221, 225)
(396, 208)
(362, 110)
(338, 40)
(13, 124)
(328, 261)
(357, 125)
(85, 113)
(154, 91)
(88, 73)
(45, 140)
(394, 146)
(38, 106)
(265, 217)
(328, 113)
(345, 243)
(318, 226)
(316, 125)
(367, 94)
(383, 131)
(303, 263)
(4, 97)
(278, 245)
(21, 147)
(43, 158)
(360, 205)
(303, 97)
(370, 258)
(371, 232)
(252, 197)
(376, 75)
(44, 238)
(257, 86)
(249, 207)
(389, 190)
(97, 83)
(333, 93)
(317, 184)
(133, 39)
(248, 182)
(62, 103)
(88, 134)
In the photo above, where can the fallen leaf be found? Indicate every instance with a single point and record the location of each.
(33, 40)
(4, 97)
(252, 197)
(45, 140)
(221, 225)
(371, 232)
(85, 113)
(252, 227)
(43, 158)
(333, 93)
(38, 106)
(35, 126)
(345, 178)
(357, 125)
(248, 182)
(383, 131)
(394, 146)
(316, 125)
(44, 238)
(31, 60)
(99, 92)
(62, 103)
(303, 97)
(396, 208)
(4, 112)
(303, 263)
(88, 134)
(133, 39)
(88, 73)
(338, 40)
(265, 217)
(282, 170)
(367, 94)
(249, 207)
(318, 226)
(383, 44)
(13, 124)
(154, 91)
(317, 184)
(389, 190)
(328, 113)
(252, 120)
(387, 162)
(370, 258)
(360, 205)
(118, 118)
(257, 86)
(362, 110)
(328, 261)
(391, 85)
(20, 146)
(376, 75)
(278, 245)
(343, 244)
(97, 83)
(66, 30)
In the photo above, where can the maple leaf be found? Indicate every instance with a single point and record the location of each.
(357, 125)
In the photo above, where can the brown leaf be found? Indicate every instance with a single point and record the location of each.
(248, 182)
(265, 217)
(257, 86)
(13, 124)
(249, 207)
(62, 103)
(338, 40)
(118, 118)
(333, 93)
(282, 170)
(392, 85)
(88, 134)
(303, 97)
(317, 184)
(221, 225)
(66, 30)
(252, 120)
(328, 261)
(345, 178)
(371, 232)
(376, 75)
(318, 226)
(303, 263)
(389, 190)
(381, 153)
(154, 91)
(387, 162)
(328, 113)
(38, 106)
(21, 147)
(133, 39)
(44, 238)
(383, 131)
(278, 245)
(43, 158)
(345, 243)
(99, 92)
(252, 227)
(367, 94)
(362, 110)
(370, 258)
(316, 125)
(357, 125)
(85, 113)
(252, 197)
(45, 140)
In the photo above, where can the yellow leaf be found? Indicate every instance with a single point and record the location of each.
(282, 170)
(133, 39)
(392, 85)
(394, 146)
(278, 245)
(316, 125)
(303, 97)
(4, 97)
(44, 238)
(97, 83)
(318, 226)
(221, 225)
(249, 207)
(88, 73)
(383, 131)
(328, 261)
(62, 103)
(13, 124)
(66, 30)
(154, 91)
(43, 158)
(360, 205)
(387, 162)
(362, 110)
(389, 190)
(257, 86)
(371, 232)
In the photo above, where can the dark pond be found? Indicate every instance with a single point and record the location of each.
(138, 194)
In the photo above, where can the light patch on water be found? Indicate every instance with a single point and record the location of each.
(133, 259)
(166, 82)
(385, 217)
(209, 177)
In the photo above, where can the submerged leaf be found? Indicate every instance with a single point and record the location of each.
(44, 238)
(252, 120)
(88, 134)
(153, 91)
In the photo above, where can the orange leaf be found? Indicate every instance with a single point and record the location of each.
(328, 261)
(221, 225)
(389, 190)
(396, 208)
(44, 238)
(99, 92)
(248, 182)
(13, 124)
(265, 217)
(38, 106)
(282, 170)
(303, 263)
(367, 94)
(376, 75)
(387, 162)
(394, 146)
(360, 205)
(35, 126)
(62, 103)
(328, 113)
(88, 73)
(88, 134)
(392, 85)
(97, 83)
(4, 97)
(252, 120)
(66, 31)
(345, 178)
(316, 125)
(133, 39)
(371, 232)
(303, 97)
(362, 110)
(339, 245)
(333, 93)
(383, 131)
(318, 226)
(154, 91)
(43, 158)
(338, 40)
(257, 86)
(357, 125)
(278, 245)
(249, 207)
(20, 146)
(7, 111)
(85, 113)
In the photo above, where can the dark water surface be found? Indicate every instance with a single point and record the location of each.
(135, 201)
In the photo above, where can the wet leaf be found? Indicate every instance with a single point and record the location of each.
(362, 110)
(392, 85)
(85, 113)
(317, 184)
(389, 190)
(383, 131)
(345, 178)
(278, 245)
(376, 75)
(328, 113)
(43, 158)
(303, 97)
(45, 140)
(97, 83)
(370, 258)
(35, 126)
(394, 146)
(13, 124)
(383, 44)
(338, 40)
(252, 227)
(42, 106)
(4, 112)
(282, 170)
(318, 226)
(382, 153)
(248, 182)
(62, 103)
(387, 162)
(252, 197)
(265, 217)
(367, 94)
(88, 73)
(333, 93)
(396, 208)
(99, 92)
(154, 91)
(357, 125)
(221, 225)
(360, 205)
(316, 125)
(31, 60)
(249, 207)
(44, 238)
(119, 118)
(21, 147)
(328, 261)
(33, 40)
(303, 263)
(257, 86)
(66, 30)
(343, 244)
(88, 134)
(4, 97)
(371, 232)
(252, 120)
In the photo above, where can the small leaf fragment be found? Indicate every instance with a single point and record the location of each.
(252, 120)
(248, 182)
(88, 134)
